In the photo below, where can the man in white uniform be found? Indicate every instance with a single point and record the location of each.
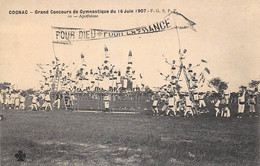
(165, 106)
(241, 104)
(225, 110)
(7, 98)
(155, 106)
(11, 101)
(252, 104)
(58, 99)
(172, 105)
(217, 106)
(47, 100)
(22, 101)
(34, 103)
(106, 103)
(202, 104)
(188, 103)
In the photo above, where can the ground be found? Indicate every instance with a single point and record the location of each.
(64, 137)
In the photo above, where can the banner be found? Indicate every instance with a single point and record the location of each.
(66, 35)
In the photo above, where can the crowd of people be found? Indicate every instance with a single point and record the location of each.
(15, 99)
(169, 104)
(190, 104)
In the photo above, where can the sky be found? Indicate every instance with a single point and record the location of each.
(227, 38)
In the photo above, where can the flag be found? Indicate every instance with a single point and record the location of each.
(173, 20)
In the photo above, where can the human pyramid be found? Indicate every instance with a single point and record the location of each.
(192, 102)
(169, 98)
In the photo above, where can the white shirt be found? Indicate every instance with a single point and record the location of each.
(241, 99)
(34, 99)
(201, 96)
(22, 99)
(188, 101)
(227, 99)
(155, 102)
(16, 95)
(217, 103)
(47, 98)
(171, 101)
(106, 98)
(196, 96)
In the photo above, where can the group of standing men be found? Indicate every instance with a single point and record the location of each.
(186, 104)
(37, 101)
(176, 104)
(12, 100)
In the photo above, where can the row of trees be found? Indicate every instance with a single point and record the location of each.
(220, 85)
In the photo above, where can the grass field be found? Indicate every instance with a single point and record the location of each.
(63, 137)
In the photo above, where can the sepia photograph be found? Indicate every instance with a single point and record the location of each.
(129, 83)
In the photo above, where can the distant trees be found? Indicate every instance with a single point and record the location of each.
(254, 85)
(218, 84)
